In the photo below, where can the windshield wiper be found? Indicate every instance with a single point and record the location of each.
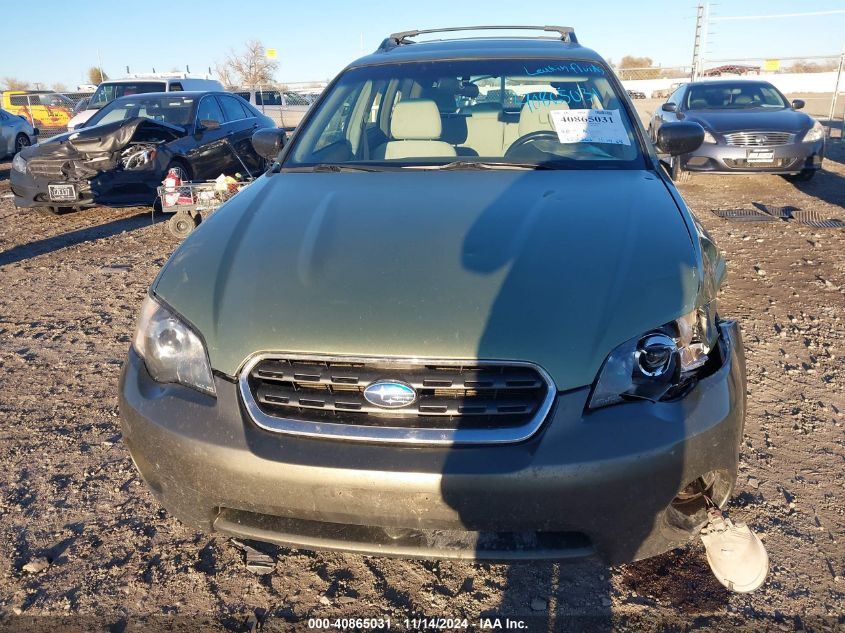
(335, 167)
(472, 164)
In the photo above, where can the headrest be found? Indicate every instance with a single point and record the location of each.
(415, 119)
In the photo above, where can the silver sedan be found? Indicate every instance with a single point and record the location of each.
(15, 133)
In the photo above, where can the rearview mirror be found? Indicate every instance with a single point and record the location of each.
(797, 104)
(669, 107)
(208, 124)
(268, 142)
(679, 137)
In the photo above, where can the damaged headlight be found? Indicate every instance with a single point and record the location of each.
(650, 366)
(137, 156)
(171, 350)
(19, 163)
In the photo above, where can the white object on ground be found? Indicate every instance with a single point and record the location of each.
(736, 556)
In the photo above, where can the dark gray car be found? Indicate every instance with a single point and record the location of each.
(750, 127)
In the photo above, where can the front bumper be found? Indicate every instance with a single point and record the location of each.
(788, 159)
(110, 188)
(599, 483)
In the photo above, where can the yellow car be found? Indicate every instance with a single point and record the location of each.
(41, 108)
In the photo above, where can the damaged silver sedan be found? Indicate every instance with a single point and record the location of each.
(124, 151)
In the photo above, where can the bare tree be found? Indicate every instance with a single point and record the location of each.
(13, 83)
(249, 67)
(629, 61)
(59, 87)
(806, 66)
(96, 75)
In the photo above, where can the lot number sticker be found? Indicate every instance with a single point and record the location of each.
(590, 126)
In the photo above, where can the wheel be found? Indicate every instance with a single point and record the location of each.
(21, 141)
(181, 224)
(805, 175)
(181, 170)
(678, 173)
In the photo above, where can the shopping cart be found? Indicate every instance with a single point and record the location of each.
(190, 201)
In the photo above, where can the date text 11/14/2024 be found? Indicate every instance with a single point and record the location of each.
(418, 624)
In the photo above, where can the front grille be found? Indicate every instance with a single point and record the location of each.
(759, 139)
(456, 401)
(45, 168)
(742, 163)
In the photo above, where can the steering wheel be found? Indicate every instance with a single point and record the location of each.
(532, 138)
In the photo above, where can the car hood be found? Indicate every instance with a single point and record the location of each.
(756, 119)
(552, 267)
(105, 138)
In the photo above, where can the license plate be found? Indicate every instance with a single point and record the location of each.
(760, 156)
(61, 193)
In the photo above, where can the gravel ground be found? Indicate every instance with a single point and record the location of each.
(72, 503)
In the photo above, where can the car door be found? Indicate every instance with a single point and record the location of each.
(7, 134)
(210, 154)
(240, 124)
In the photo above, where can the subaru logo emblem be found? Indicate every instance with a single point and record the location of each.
(390, 394)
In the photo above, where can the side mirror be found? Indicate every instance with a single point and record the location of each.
(208, 124)
(268, 142)
(680, 137)
(797, 104)
(669, 107)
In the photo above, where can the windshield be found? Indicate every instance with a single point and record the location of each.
(538, 112)
(106, 93)
(166, 108)
(741, 95)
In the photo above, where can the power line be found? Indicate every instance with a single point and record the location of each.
(780, 15)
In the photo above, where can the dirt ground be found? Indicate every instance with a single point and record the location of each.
(70, 289)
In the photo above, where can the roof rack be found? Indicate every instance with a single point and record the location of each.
(567, 33)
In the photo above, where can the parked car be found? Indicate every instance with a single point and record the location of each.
(15, 133)
(43, 109)
(286, 108)
(124, 151)
(113, 89)
(636, 94)
(448, 335)
(750, 127)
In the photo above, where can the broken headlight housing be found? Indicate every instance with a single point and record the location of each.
(171, 349)
(659, 363)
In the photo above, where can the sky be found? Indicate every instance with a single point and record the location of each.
(317, 38)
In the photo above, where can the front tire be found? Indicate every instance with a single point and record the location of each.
(21, 141)
(678, 173)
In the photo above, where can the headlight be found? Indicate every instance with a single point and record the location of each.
(19, 163)
(815, 133)
(648, 367)
(171, 350)
(709, 138)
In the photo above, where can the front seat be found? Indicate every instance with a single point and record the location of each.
(415, 129)
(534, 116)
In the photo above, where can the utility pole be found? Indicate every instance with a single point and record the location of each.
(700, 40)
(834, 98)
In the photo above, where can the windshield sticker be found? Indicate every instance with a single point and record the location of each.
(590, 126)
(571, 67)
(570, 96)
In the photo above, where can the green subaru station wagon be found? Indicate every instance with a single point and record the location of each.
(464, 314)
